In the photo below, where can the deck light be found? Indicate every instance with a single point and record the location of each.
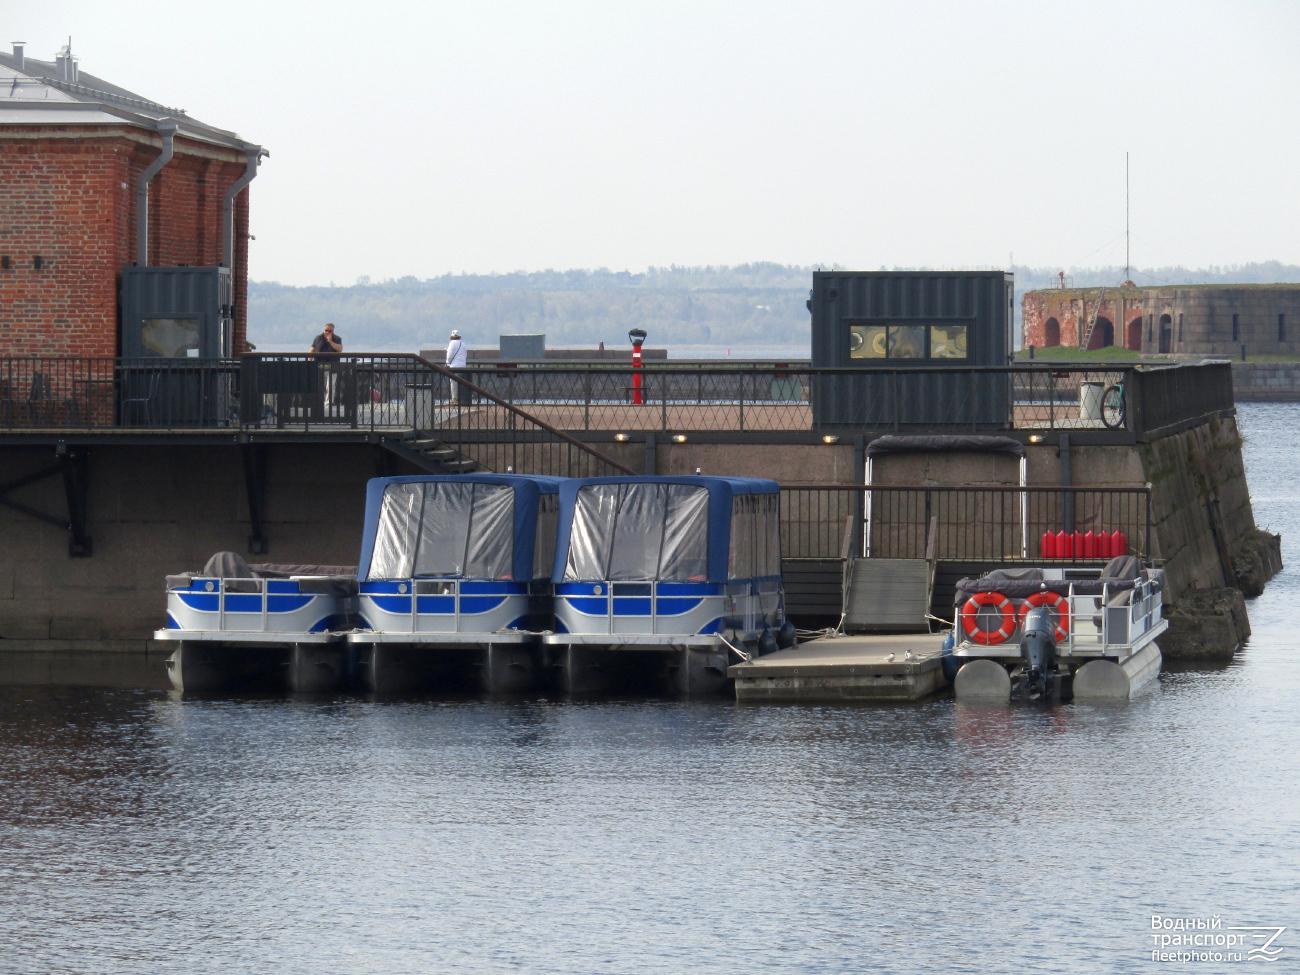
(679, 438)
(621, 437)
(1035, 438)
(830, 438)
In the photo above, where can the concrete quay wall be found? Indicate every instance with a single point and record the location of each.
(164, 508)
(154, 510)
(1266, 382)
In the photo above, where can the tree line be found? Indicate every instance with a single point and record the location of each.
(759, 304)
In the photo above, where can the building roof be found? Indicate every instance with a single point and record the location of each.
(58, 92)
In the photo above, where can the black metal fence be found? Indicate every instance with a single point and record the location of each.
(1166, 396)
(75, 393)
(779, 397)
(431, 411)
(992, 524)
(392, 392)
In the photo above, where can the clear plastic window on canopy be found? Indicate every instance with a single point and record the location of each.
(548, 523)
(755, 547)
(640, 532)
(445, 528)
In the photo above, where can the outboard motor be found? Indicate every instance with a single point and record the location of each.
(1039, 679)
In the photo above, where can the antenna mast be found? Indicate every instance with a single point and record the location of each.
(1127, 260)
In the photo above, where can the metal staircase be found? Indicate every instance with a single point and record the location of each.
(488, 434)
(430, 454)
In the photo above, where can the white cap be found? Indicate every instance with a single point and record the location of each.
(455, 333)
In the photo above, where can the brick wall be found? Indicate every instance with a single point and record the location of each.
(1198, 319)
(1072, 309)
(67, 195)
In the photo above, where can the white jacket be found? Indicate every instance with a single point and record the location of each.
(456, 354)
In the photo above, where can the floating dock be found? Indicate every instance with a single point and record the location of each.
(873, 667)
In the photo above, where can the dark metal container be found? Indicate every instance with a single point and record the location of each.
(916, 337)
(176, 323)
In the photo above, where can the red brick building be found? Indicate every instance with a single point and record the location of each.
(77, 157)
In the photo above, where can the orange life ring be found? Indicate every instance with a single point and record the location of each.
(1057, 602)
(1002, 604)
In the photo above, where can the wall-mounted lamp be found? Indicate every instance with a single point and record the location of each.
(830, 438)
(4, 262)
(1036, 438)
(679, 438)
(622, 437)
(36, 262)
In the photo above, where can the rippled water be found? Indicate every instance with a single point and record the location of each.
(141, 833)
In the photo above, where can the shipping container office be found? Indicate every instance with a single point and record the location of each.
(175, 331)
(653, 560)
(885, 323)
(456, 562)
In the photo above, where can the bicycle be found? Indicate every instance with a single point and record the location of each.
(1112, 406)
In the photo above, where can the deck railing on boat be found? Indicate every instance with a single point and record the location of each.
(518, 400)
(977, 524)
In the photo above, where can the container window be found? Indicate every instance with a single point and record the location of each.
(948, 341)
(170, 338)
(906, 341)
(866, 341)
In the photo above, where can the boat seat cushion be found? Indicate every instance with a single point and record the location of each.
(1123, 567)
(228, 565)
(1030, 574)
(1122, 598)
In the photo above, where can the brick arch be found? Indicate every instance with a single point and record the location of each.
(1133, 335)
(1051, 332)
(1103, 333)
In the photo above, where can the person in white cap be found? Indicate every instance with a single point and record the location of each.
(456, 356)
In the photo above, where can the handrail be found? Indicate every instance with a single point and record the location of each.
(421, 363)
(450, 374)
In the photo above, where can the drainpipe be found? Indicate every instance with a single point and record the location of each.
(167, 130)
(253, 153)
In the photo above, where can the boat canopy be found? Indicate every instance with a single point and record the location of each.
(474, 526)
(683, 529)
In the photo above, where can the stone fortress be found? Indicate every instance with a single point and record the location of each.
(1218, 320)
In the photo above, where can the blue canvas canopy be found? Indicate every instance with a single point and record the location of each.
(477, 526)
(687, 529)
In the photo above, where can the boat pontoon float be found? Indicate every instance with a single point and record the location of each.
(661, 578)
(1036, 632)
(454, 580)
(234, 622)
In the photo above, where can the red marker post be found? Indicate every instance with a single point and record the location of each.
(637, 335)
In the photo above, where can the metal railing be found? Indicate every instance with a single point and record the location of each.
(81, 393)
(778, 397)
(398, 393)
(392, 392)
(985, 524)
(403, 396)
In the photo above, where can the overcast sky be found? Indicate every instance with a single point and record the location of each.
(422, 138)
